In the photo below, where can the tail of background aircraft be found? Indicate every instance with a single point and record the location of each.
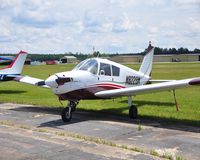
(147, 62)
(16, 66)
(4, 58)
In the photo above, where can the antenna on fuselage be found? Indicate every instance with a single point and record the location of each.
(93, 48)
(95, 53)
(98, 53)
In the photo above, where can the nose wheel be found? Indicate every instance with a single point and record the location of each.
(66, 113)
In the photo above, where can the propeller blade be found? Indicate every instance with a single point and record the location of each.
(62, 80)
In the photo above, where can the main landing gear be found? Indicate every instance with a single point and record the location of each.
(133, 112)
(66, 113)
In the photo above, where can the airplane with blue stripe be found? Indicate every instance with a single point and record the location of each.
(14, 69)
(5, 58)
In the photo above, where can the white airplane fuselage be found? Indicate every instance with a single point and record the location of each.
(83, 82)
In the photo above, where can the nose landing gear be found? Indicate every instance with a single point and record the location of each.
(66, 113)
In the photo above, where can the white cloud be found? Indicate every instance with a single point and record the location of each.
(156, 2)
(5, 28)
(120, 3)
(124, 24)
(194, 24)
(153, 30)
(111, 26)
(186, 2)
(7, 4)
(96, 22)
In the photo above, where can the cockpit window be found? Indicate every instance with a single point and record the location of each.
(90, 65)
(80, 64)
(105, 69)
(115, 71)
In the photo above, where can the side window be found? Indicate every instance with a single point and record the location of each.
(105, 69)
(115, 71)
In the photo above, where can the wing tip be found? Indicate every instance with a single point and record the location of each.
(195, 81)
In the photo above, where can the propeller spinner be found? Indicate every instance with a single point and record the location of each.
(54, 81)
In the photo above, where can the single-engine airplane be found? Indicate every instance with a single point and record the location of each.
(14, 69)
(97, 78)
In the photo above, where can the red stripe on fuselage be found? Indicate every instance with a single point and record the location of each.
(109, 85)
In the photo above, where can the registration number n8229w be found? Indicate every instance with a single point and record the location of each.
(132, 80)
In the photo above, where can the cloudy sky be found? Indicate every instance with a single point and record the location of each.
(59, 26)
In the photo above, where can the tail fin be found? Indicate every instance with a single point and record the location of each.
(16, 66)
(147, 62)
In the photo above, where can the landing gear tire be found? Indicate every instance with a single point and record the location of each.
(133, 112)
(66, 114)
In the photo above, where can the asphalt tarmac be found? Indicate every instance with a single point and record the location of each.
(32, 132)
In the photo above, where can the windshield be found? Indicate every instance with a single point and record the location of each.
(91, 66)
(80, 64)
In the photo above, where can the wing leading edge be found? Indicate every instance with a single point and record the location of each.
(131, 91)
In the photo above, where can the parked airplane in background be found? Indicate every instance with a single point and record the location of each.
(98, 78)
(5, 58)
(14, 69)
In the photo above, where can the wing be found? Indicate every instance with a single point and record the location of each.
(149, 88)
(31, 80)
(160, 80)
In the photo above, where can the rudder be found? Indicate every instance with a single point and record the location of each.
(16, 66)
(147, 62)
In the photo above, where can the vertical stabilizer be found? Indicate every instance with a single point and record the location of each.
(16, 66)
(147, 62)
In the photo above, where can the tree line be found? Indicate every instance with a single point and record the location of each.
(81, 56)
(161, 51)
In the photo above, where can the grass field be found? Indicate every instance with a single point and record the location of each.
(157, 106)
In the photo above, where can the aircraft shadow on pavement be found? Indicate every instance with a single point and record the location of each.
(111, 115)
(11, 91)
(141, 103)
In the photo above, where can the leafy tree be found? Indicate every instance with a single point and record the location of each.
(196, 50)
(181, 50)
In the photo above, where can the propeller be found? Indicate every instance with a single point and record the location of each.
(54, 81)
(63, 80)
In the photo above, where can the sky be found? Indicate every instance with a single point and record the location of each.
(111, 26)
